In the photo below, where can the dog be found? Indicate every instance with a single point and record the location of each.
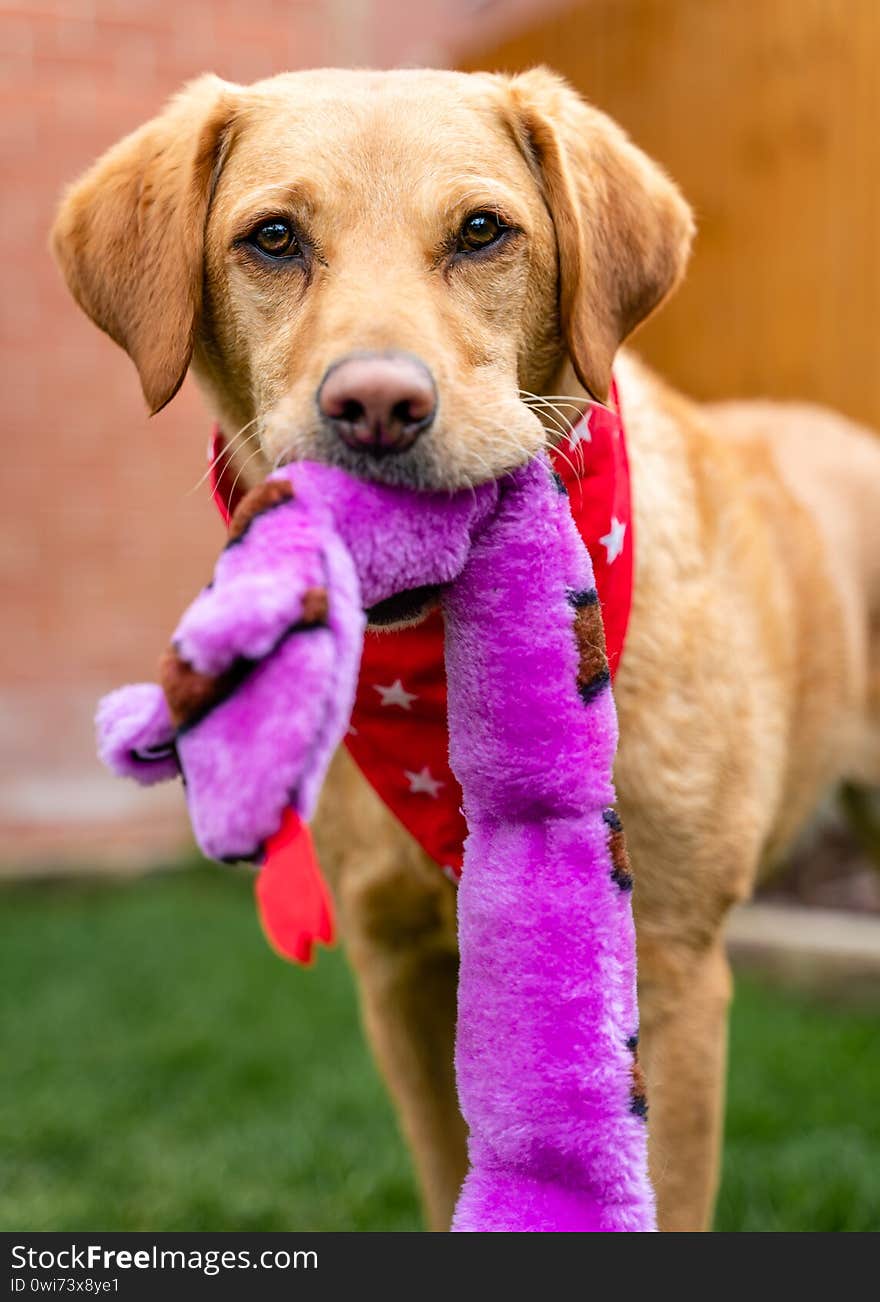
(383, 271)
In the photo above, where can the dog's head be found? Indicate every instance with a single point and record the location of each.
(378, 270)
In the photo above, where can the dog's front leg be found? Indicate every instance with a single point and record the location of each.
(397, 916)
(684, 996)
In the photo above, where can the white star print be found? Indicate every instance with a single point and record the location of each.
(396, 694)
(580, 432)
(423, 782)
(613, 539)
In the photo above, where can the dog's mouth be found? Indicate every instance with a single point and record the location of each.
(404, 607)
(417, 467)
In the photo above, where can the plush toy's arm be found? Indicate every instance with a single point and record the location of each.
(260, 676)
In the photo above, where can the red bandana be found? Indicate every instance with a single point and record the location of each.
(399, 735)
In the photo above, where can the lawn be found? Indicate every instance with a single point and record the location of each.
(162, 1070)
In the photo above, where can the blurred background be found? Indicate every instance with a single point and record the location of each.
(161, 1055)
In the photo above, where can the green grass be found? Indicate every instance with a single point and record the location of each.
(802, 1149)
(162, 1070)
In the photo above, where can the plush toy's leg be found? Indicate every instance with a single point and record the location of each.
(396, 916)
(684, 999)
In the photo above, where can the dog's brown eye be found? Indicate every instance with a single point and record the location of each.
(276, 239)
(479, 231)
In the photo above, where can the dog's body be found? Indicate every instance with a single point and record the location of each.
(750, 681)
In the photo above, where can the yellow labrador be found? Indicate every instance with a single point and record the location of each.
(451, 244)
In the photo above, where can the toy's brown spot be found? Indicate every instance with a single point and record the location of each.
(189, 694)
(589, 630)
(638, 1092)
(621, 869)
(314, 606)
(262, 498)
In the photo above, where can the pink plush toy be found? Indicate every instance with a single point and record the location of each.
(258, 688)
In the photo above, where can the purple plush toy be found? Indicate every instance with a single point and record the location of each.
(257, 694)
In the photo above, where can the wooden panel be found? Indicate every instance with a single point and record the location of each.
(767, 112)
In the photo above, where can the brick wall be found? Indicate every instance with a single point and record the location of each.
(101, 541)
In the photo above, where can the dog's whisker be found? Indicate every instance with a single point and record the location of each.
(225, 451)
(566, 427)
(578, 401)
(257, 452)
(571, 398)
(235, 444)
(558, 446)
(544, 400)
(560, 452)
(556, 420)
(567, 424)
(570, 421)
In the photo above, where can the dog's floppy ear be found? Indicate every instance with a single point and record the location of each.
(129, 235)
(623, 231)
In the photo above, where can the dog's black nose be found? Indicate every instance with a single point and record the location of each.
(378, 403)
